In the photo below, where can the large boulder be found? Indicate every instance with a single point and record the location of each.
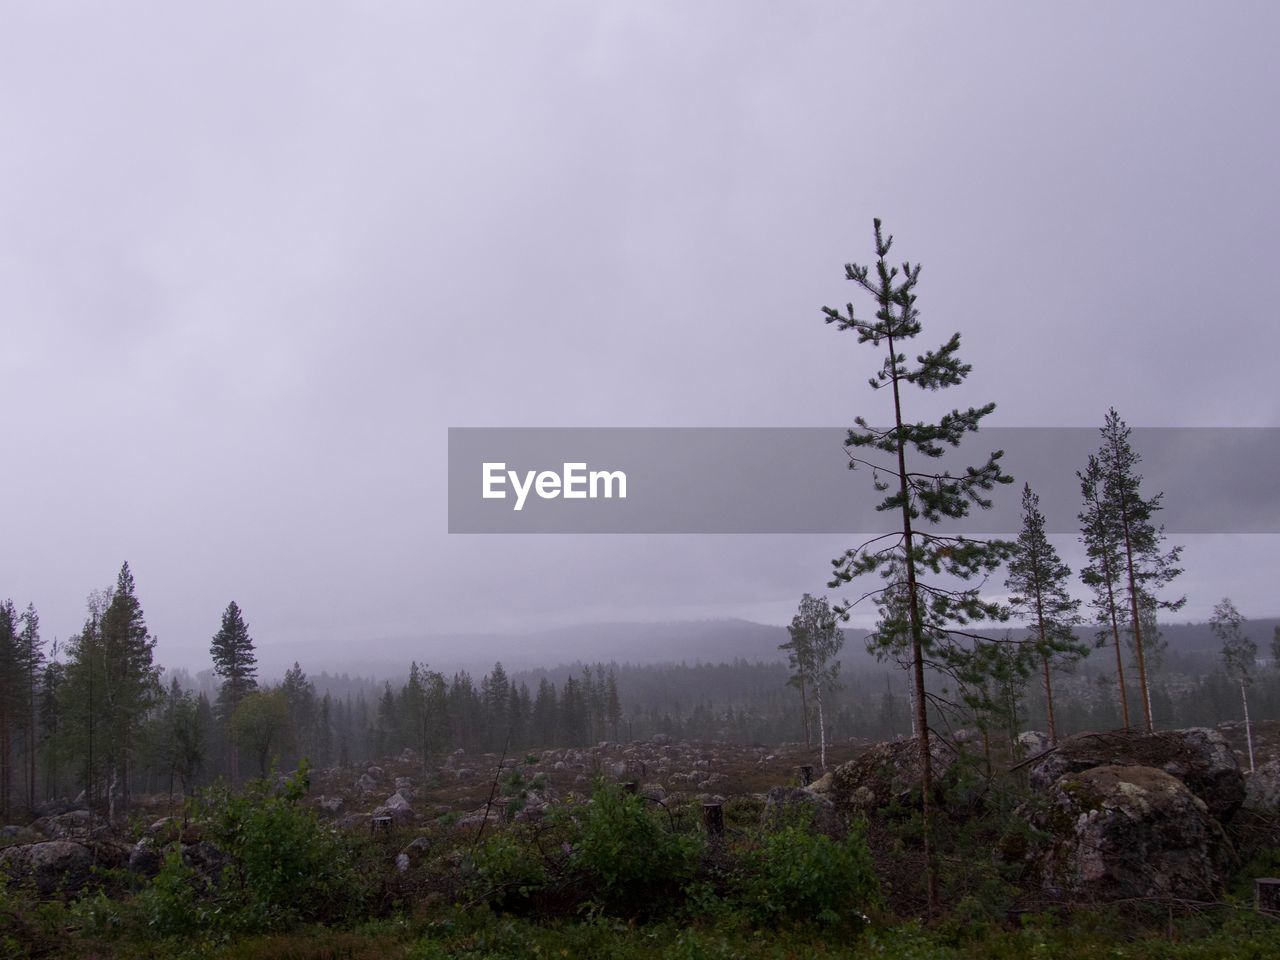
(1121, 832)
(72, 825)
(52, 866)
(1031, 743)
(146, 858)
(1201, 758)
(1262, 788)
(784, 806)
(397, 808)
(886, 773)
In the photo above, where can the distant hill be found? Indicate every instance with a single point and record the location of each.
(690, 641)
(707, 641)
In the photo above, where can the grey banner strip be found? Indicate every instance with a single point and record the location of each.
(796, 480)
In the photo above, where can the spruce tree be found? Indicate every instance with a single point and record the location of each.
(131, 682)
(300, 696)
(1037, 583)
(234, 661)
(10, 699)
(51, 680)
(613, 705)
(31, 652)
(919, 497)
(546, 714)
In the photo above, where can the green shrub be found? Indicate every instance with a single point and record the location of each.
(627, 859)
(795, 874)
(285, 866)
(171, 902)
(505, 871)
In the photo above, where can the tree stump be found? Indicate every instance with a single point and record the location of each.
(713, 819)
(380, 826)
(1266, 894)
(806, 774)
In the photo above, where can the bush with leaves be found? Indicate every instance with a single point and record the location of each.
(285, 866)
(628, 858)
(796, 874)
(171, 903)
(505, 871)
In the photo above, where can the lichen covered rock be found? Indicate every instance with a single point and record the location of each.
(1118, 832)
(785, 806)
(53, 866)
(1199, 757)
(887, 773)
(1262, 788)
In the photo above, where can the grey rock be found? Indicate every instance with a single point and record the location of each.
(1119, 832)
(397, 808)
(51, 866)
(1200, 757)
(888, 772)
(1262, 787)
(145, 859)
(794, 805)
(1032, 742)
(74, 824)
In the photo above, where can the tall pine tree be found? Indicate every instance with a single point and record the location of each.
(1101, 573)
(919, 497)
(1037, 583)
(1146, 565)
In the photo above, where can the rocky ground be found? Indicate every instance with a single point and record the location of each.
(1114, 815)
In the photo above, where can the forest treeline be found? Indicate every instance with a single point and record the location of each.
(99, 716)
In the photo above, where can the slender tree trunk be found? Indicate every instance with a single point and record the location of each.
(917, 643)
(1048, 700)
(31, 738)
(1115, 636)
(1137, 625)
(1248, 728)
(4, 766)
(1044, 657)
(804, 709)
(822, 729)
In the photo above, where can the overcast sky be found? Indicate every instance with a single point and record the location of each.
(256, 258)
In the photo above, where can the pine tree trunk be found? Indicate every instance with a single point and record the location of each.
(1115, 636)
(1137, 625)
(1048, 699)
(917, 644)
(1044, 660)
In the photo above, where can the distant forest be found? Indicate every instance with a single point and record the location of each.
(98, 716)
